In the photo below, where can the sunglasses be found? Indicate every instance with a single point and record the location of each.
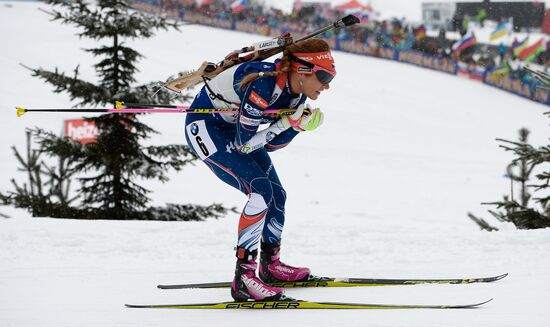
(324, 75)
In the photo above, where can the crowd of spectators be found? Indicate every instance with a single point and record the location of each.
(254, 14)
(394, 33)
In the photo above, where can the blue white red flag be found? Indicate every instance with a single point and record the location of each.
(467, 41)
(239, 5)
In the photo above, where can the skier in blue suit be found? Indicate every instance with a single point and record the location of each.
(236, 150)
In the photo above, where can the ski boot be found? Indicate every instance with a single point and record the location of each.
(273, 270)
(246, 286)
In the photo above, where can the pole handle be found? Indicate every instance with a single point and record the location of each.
(20, 111)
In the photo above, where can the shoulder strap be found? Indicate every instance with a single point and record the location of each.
(217, 95)
(279, 85)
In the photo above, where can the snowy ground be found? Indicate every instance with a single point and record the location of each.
(381, 190)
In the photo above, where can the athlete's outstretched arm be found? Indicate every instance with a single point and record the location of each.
(250, 112)
(282, 140)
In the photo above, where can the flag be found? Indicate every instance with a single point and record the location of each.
(518, 48)
(481, 15)
(364, 17)
(501, 70)
(500, 31)
(203, 3)
(467, 41)
(465, 23)
(361, 14)
(462, 69)
(531, 52)
(239, 5)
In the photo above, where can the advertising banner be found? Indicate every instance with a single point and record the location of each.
(81, 130)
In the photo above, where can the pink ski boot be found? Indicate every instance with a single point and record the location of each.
(246, 286)
(272, 270)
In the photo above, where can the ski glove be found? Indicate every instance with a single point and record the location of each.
(303, 120)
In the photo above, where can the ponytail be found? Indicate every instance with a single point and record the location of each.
(284, 69)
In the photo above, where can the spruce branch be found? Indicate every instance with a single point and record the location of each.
(482, 223)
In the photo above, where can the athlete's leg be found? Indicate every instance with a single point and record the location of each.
(275, 217)
(271, 268)
(214, 145)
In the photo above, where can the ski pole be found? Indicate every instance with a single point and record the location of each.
(120, 105)
(349, 20)
(20, 111)
(186, 109)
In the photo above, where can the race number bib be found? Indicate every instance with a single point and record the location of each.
(200, 140)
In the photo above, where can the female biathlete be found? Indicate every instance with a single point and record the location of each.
(233, 148)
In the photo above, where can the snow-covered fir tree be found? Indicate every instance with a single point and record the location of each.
(113, 163)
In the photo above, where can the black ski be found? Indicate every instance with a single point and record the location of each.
(299, 304)
(315, 281)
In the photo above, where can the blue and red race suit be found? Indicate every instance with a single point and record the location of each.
(232, 146)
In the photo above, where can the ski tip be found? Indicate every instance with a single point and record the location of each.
(470, 306)
(484, 302)
(167, 287)
(200, 285)
(136, 306)
(501, 276)
(20, 111)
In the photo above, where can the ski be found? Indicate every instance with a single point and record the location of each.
(299, 304)
(315, 281)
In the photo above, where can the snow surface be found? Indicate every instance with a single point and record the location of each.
(381, 190)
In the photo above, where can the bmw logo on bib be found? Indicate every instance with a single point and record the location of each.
(200, 140)
(194, 129)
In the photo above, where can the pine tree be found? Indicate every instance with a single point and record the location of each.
(46, 193)
(116, 160)
(521, 213)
